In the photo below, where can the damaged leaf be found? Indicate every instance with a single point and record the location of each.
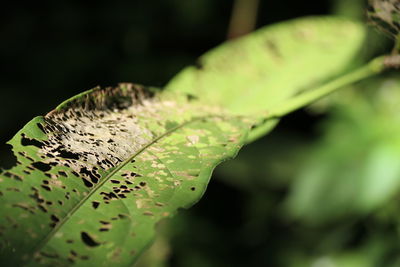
(96, 174)
(385, 14)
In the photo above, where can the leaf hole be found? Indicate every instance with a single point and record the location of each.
(8, 159)
(88, 240)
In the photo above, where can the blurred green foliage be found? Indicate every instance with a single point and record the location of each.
(322, 190)
(353, 169)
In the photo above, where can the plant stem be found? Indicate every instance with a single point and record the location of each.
(374, 67)
(244, 16)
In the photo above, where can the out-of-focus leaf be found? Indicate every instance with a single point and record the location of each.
(267, 68)
(354, 169)
(373, 252)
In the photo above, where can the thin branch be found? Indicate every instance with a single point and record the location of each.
(243, 19)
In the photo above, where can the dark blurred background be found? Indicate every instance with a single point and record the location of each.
(270, 206)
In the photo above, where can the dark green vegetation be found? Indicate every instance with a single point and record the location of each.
(96, 173)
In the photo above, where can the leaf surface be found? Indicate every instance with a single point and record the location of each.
(94, 176)
(272, 66)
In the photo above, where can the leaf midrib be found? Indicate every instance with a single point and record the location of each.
(103, 181)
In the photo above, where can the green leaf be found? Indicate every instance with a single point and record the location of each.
(269, 68)
(353, 170)
(95, 175)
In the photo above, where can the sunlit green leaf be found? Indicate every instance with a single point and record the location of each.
(271, 66)
(96, 174)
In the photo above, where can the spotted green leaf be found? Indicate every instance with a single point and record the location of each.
(96, 174)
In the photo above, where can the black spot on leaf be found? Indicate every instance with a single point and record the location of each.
(8, 158)
(92, 177)
(62, 173)
(30, 142)
(88, 240)
(67, 155)
(44, 167)
(40, 126)
(42, 208)
(108, 196)
(54, 218)
(95, 204)
(87, 183)
(48, 188)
